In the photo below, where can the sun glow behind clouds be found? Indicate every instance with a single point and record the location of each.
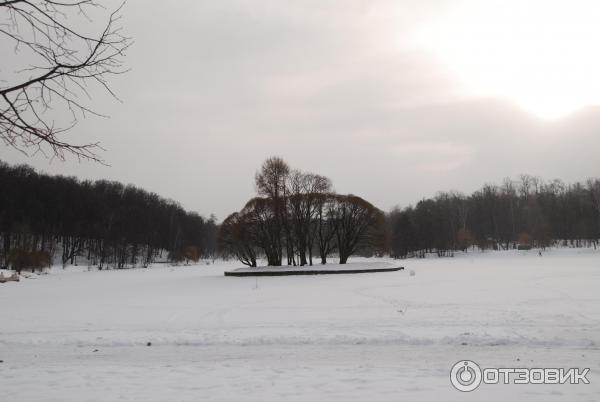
(543, 55)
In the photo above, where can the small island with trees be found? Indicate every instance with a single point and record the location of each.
(297, 217)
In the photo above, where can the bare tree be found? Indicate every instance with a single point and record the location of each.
(305, 191)
(271, 182)
(272, 177)
(237, 237)
(324, 227)
(63, 64)
(262, 223)
(357, 223)
(594, 189)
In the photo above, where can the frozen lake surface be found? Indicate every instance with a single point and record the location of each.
(75, 335)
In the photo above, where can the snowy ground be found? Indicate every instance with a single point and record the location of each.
(82, 336)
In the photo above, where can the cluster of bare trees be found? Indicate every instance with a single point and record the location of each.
(297, 216)
(526, 212)
(106, 224)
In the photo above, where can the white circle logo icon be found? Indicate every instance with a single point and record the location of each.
(465, 375)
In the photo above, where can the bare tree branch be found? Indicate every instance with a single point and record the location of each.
(68, 62)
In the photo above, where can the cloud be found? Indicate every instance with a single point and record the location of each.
(335, 87)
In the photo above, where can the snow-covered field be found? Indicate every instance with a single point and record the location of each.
(82, 336)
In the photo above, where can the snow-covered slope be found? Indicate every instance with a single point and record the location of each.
(77, 336)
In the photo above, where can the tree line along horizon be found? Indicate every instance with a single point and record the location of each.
(295, 219)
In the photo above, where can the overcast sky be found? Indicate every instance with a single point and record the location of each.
(393, 100)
